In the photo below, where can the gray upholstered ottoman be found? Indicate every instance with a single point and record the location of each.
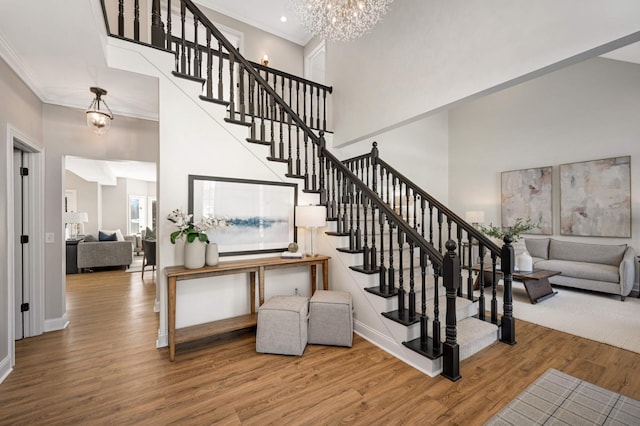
(331, 318)
(282, 325)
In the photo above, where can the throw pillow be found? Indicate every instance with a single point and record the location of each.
(119, 236)
(90, 239)
(102, 236)
(149, 234)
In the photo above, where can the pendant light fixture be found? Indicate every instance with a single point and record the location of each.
(99, 120)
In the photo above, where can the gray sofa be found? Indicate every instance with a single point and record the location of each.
(100, 254)
(598, 267)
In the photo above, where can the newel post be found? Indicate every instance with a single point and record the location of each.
(507, 262)
(450, 277)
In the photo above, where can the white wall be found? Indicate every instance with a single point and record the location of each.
(585, 112)
(428, 54)
(418, 150)
(66, 133)
(21, 110)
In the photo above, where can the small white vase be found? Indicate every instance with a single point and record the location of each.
(524, 262)
(194, 254)
(211, 258)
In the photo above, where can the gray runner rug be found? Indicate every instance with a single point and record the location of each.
(556, 398)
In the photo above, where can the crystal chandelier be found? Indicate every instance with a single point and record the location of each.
(339, 20)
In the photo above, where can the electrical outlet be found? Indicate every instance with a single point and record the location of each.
(49, 237)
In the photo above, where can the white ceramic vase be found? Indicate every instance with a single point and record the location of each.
(524, 263)
(194, 254)
(211, 258)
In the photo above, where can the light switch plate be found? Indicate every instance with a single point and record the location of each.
(49, 237)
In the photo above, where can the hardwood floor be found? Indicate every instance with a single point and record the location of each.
(104, 369)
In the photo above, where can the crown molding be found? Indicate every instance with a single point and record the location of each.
(22, 70)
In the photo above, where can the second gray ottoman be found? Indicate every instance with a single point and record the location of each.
(331, 318)
(282, 325)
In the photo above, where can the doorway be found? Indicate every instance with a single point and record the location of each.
(25, 212)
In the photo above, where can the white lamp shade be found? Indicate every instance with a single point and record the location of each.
(474, 216)
(76, 217)
(311, 216)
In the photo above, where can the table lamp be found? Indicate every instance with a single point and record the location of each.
(74, 219)
(311, 217)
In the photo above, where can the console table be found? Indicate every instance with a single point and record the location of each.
(249, 266)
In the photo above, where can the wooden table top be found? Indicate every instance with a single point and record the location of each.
(534, 275)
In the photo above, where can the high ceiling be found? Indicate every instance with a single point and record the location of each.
(56, 48)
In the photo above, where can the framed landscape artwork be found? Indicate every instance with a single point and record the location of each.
(595, 198)
(260, 213)
(527, 194)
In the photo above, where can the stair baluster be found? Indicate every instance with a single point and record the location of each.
(121, 18)
(196, 50)
(481, 300)
(157, 28)
(209, 84)
(412, 291)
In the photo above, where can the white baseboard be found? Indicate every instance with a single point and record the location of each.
(5, 368)
(163, 340)
(429, 367)
(56, 324)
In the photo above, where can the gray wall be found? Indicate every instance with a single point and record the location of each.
(283, 54)
(88, 198)
(585, 112)
(22, 110)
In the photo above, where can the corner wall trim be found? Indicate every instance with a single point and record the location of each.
(56, 324)
(5, 368)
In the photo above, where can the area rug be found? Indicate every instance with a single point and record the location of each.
(596, 316)
(556, 398)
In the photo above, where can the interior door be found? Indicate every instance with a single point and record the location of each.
(20, 205)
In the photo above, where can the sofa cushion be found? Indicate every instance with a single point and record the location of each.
(538, 247)
(90, 238)
(589, 253)
(103, 236)
(584, 270)
(119, 235)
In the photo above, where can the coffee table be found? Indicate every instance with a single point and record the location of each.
(535, 283)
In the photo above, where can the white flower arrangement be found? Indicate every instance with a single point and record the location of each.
(192, 231)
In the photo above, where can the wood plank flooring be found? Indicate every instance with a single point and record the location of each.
(104, 369)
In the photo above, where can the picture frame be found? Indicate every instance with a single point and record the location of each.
(260, 214)
(528, 194)
(595, 198)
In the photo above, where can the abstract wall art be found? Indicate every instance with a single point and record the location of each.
(527, 194)
(261, 213)
(595, 198)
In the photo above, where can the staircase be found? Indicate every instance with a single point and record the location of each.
(397, 249)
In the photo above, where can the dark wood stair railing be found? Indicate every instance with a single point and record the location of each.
(428, 216)
(339, 186)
